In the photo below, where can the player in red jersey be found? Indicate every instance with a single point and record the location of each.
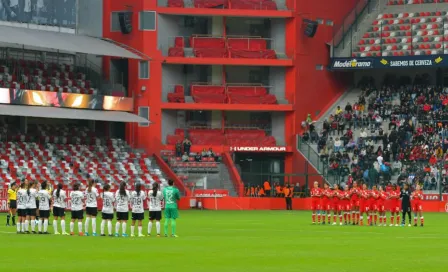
(345, 205)
(394, 197)
(381, 204)
(337, 208)
(326, 203)
(363, 203)
(373, 205)
(354, 202)
(417, 208)
(316, 194)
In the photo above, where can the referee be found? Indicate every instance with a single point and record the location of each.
(12, 203)
(405, 204)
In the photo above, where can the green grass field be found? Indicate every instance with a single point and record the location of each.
(234, 241)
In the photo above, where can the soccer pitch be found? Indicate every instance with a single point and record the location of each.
(234, 241)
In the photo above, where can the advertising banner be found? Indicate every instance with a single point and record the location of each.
(210, 193)
(65, 100)
(60, 13)
(435, 197)
(259, 149)
(389, 62)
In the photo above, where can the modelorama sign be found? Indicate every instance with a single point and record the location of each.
(389, 62)
(258, 148)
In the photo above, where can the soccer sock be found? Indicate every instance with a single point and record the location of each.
(93, 225)
(45, 225)
(33, 225)
(86, 225)
(13, 219)
(80, 227)
(132, 230)
(375, 218)
(391, 219)
(415, 220)
(109, 227)
(165, 226)
(39, 225)
(55, 225)
(140, 230)
(123, 228)
(353, 217)
(27, 224)
(340, 219)
(314, 217)
(422, 220)
(149, 227)
(63, 225)
(361, 219)
(158, 226)
(117, 227)
(19, 225)
(318, 217)
(404, 218)
(409, 217)
(398, 218)
(173, 226)
(103, 224)
(7, 219)
(72, 226)
(329, 218)
(357, 216)
(335, 217)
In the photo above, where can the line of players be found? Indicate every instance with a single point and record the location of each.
(32, 201)
(351, 204)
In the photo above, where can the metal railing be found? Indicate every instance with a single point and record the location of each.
(226, 4)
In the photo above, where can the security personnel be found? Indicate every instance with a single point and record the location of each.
(267, 188)
(288, 197)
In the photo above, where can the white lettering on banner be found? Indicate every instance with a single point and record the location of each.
(431, 197)
(446, 207)
(259, 149)
(399, 63)
(409, 63)
(4, 205)
(352, 64)
(210, 195)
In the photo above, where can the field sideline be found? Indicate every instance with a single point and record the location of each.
(233, 241)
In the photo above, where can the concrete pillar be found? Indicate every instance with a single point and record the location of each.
(216, 119)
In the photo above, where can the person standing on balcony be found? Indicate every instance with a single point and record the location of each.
(267, 188)
(187, 146)
(178, 149)
(288, 197)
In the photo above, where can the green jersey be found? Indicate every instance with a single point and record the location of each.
(171, 195)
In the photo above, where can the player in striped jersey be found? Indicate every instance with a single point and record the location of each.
(155, 197)
(91, 195)
(122, 197)
(138, 213)
(44, 208)
(108, 210)
(59, 205)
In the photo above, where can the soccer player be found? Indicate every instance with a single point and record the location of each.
(354, 203)
(12, 203)
(394, 196)
(122, 197)
(31, 208)
(138, 212)
(405, 196)
(337, 205)
(363, 203)
(91, 196)
(155, 208)
(326, 203)
(345, 204)
(44, 208)
(171, 196)
(417, 208)
(77, 198)
(108, 210)
(316, 194)
(59, 205)
(373, 205)
(21, 208)
(381, 203)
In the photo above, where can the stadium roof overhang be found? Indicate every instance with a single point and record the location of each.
(67, 42)
(64, 113)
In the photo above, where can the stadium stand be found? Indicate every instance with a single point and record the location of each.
(67, 153)
(232, 94)
(226, 4)
(37, 75)
(415, 2)
(205, 46)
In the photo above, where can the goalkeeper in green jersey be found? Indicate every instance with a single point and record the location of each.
(171, 195)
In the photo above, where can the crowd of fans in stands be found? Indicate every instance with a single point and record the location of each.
(400, 130)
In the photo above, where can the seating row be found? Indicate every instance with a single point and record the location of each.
(224, 94)
(227, 4)
(415, 2)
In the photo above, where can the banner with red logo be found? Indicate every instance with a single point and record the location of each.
(260, 149)
(210, 193)
(435, 197)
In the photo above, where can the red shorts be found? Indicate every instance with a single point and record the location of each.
(345, 206)
(363, 208)
(373, 207)
(326, 205)
(354, 203)
(315, 204)
(380, 207)
(417, 206)
(395, 206)
(336, 206)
